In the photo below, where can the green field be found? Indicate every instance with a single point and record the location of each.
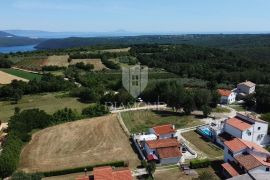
(22, 74)
(140, 121)
(47, 102)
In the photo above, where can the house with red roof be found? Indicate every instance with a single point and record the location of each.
(108, 173)
(163, 131)
(226, 96)
(245, 157)
(164, 151)
(246, 127)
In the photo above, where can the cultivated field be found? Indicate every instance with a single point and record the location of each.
(76, 144)
(6, 78)
(31, 64)
(140, 121)
(57, 61)
(98, 65)
(50, 103)
(22, 74)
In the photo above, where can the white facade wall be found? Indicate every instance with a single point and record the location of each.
(260, 133)
(173, 160)
(248, 134)
(241, 88)
(232, 130)
(260, 169)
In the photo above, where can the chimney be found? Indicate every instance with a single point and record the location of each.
(173, 127)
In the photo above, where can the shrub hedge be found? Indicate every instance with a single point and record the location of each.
(81, 169)
(199, 163)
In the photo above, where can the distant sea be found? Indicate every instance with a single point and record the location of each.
(17, 49)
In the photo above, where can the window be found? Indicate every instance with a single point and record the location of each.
(135, 80)
(259, 128)
(267, 169)
(259, 137)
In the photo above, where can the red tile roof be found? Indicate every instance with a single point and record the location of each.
(123, 174)
(238, 144)
(235, 145)
(169, 152)
(230, 169)
(224, 92)
(107, 173)
(82, 178)
(103, 173)
(238, 124)
(164, 129)
(160, 143)
(248, 161)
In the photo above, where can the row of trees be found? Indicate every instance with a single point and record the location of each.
(22, 123)
(178, 97)
(48, 83)
(5, 63)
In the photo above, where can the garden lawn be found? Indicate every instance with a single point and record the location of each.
(140, 121)
(204, 145)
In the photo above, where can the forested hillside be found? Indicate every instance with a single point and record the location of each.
(203, 63)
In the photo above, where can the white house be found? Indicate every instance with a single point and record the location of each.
(226, 96)
(243, 157)
(163, 131)
(246, 87)
(247, 127)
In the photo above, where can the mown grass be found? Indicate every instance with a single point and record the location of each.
(48, 102)
(204, 145)
(140, 121)
(22, 74)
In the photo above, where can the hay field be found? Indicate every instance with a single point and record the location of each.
(57, 60)
(6, 78)
(75, 144)
(98, 65)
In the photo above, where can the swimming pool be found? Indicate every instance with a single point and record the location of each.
(205, 131)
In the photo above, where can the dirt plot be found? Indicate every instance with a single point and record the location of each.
(57, 60)
(76, 144)
(98, 65)
(6, 78)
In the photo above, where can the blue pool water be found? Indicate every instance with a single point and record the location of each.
(206, 131)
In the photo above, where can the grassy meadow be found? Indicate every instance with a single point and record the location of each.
(50, 103)
(140, 121)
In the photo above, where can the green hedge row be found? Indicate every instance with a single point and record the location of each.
(81, 169)
(199, 163)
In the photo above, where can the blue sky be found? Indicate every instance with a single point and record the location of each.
(136, 15)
